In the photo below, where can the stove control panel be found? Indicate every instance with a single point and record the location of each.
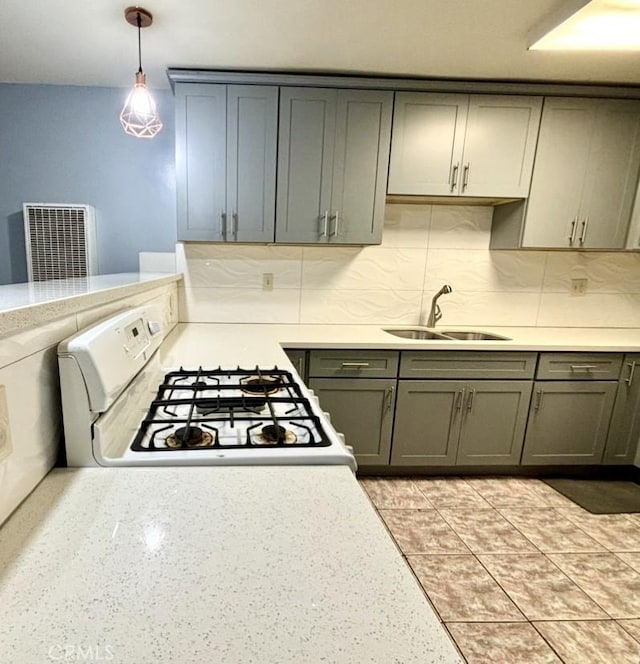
(136, 338)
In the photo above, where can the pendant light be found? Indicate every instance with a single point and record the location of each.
(139, 117)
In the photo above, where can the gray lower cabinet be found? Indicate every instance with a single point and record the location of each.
(226, 142)
(299, 360)
(361, 409)
(624, 431)
(568, 422)
(333, 153)
(443, 422)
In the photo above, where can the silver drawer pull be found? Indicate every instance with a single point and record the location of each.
(325, 225)
(539, 395)
(572, 234)
(336, 229)
(465, 176)
(583, 367)
(454, 177)
(460, 398)
(583, 232)
(354, 365)
(470, 399)
(389, 397)
(632, 368)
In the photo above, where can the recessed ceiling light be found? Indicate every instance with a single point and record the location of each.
(605, 25)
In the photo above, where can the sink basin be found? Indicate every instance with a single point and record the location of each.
(474, 335)
(416, 333)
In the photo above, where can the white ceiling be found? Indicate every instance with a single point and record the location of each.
(88, 42)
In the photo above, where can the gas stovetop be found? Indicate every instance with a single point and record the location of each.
(221, 409)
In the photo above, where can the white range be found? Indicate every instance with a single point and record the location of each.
(121, 408)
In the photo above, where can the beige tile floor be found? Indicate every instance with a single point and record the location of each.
(518, 573)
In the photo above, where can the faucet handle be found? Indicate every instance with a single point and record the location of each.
(438, 314)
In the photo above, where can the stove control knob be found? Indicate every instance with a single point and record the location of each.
(154, 327)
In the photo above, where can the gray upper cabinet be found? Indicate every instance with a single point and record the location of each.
(460, 145)
(332, 165)
(226, 141)
(584, 178)
(624, 431)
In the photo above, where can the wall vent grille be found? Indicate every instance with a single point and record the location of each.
(60, 241)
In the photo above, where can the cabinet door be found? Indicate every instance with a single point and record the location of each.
(305, 164)
(426, 145)
(252, 126)
(201, 160)
(612, 176)
(624, 431)
(499, 145)
(427, 423)
(361, 158)
(361, 409)
(568, 422)
(298, 358)
(559, 173)
(494, 417)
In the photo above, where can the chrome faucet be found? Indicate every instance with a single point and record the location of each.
(436, 313)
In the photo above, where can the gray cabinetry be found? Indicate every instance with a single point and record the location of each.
(624, 431)
(332, 165)
(357, 388)
(361, 409)
(467, 364)
(225, 162)
(460, 145)
(443, 422)
(584, 178)
(298, 358)
(568, 422)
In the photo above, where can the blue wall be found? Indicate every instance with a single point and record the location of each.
(64, 144)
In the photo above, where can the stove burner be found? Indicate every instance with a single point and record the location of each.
(276, 434)
(261, 385)
(199, 384)
(191, 437)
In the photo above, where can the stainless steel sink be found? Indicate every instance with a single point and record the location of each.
(474, 335)
(425, 333)
(417, 333)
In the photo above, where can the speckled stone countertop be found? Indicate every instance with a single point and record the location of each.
(28, 304)
(266, 565)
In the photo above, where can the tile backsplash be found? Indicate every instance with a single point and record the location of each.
(423, 247)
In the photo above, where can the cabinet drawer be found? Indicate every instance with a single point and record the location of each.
(353, 363)
(579, 366)
(461, 364)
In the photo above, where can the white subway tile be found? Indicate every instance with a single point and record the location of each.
(239, 305)
(357, 268)
(359, 306)
(484, 270)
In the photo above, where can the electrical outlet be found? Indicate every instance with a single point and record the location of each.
(267, 281)
(578, 286)
(5, 432)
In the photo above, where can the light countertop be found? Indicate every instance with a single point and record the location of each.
(33, 303)
(265, 564)
(226, 344)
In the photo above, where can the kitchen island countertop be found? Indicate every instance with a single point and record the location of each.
(209, 564)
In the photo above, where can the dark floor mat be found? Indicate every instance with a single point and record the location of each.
(600, 496)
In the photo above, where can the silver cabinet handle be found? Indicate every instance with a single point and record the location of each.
(325, 224)
(234, 224)
(632, 368)
(572, 234)
(389, 397)
(354, 365)
(583, 367)
(336, 228)
(470, 399)
(583, 232)
(453, 179)
(300, 364)
(465, 176)
(460, 399)
(223, 219)
(539, 395)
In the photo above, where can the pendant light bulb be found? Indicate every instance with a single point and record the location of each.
(139, 116)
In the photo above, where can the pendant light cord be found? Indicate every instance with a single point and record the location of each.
(139, 22)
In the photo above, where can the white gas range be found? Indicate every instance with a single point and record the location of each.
(121, 408)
